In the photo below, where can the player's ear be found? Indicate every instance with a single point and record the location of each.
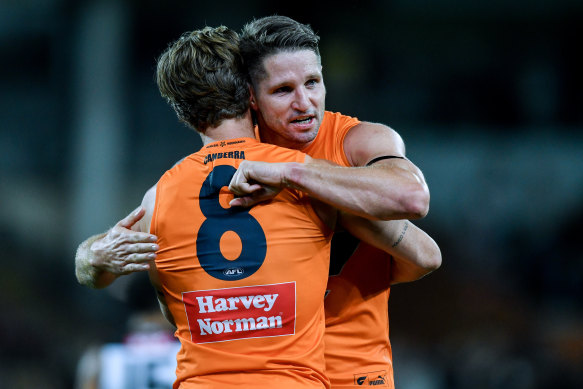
(252, 99)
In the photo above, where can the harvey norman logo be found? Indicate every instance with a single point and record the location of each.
(259, 311)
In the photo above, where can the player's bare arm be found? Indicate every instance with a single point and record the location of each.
(102, 258)
(256, 181)
(383, 184)
(390, 188)
(381, 150)
(415, 254)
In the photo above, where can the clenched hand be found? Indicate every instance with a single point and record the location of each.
(256, 181)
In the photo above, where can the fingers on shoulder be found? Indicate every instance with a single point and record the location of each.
(132, 218)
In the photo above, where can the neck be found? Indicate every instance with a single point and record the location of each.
(271, 137)
(229, 129)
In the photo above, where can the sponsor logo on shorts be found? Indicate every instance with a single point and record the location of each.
(375, 378)
(259, 311)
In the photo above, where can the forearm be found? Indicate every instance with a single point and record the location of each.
(403, 270)
(383, 191)
(391, 189)
(386, 235)
(415, 254)
(87, 274)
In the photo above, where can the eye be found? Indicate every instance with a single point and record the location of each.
(282, 89)
(312, 82)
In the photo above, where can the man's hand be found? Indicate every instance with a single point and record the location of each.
(122, 251)
(255, 182)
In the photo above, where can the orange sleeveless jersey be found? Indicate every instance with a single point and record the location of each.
(245, 286)
(358, 351)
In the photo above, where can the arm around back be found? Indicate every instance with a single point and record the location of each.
(414, 253)
(102, 258)
(388, 189)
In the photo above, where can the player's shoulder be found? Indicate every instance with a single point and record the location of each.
(182, 171)
(375, 126)
(369, 139)
(184, 161)
(336, 119)
(374, 130)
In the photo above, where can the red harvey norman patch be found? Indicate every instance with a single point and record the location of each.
(258, 311)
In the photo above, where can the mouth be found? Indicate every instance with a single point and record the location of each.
(303, 120)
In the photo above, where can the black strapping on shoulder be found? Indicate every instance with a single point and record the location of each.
(375, 160)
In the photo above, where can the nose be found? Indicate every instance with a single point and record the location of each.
(301, 100)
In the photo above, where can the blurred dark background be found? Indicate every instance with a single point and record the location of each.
(486, 94)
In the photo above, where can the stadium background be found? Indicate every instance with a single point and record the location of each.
(487, 96)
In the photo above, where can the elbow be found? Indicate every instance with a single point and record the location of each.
(80, 279)
(433, 259)
(83, 280)
(434, 262)
(93, 279)
(411, 205)
(416, 203)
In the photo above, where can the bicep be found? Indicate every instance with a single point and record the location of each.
(367, 141)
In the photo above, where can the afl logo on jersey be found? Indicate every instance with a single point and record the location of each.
(234, 271)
